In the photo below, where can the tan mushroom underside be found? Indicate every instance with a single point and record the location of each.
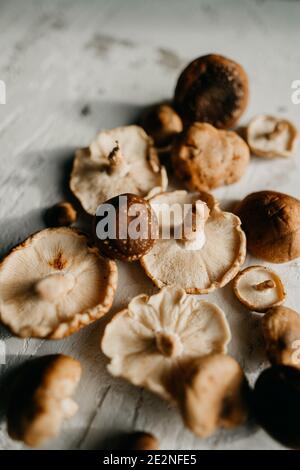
(53, 261)
(139, 173)
(197, 271)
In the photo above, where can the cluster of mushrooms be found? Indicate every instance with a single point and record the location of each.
(172, 343)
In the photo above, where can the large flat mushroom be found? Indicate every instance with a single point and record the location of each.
(200, 261)
(55, 283)
(120, 160)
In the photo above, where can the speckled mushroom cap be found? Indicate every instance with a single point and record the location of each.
(271, 137)
(196, 270)
(153, 334)
(41, 398)
(120, 160)
(55, 283)
(259, 288)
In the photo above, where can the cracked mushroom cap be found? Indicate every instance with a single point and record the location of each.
(259, 288)
(212, 392)
(206, 158)
(55, 283)
(120, 160)
(41, 398)
(146, 340)
(271, 137)
(213, 89)
(281, 330)
(271, 221)
(208, 258)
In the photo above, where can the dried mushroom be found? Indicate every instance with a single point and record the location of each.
(281, 330)
(142, 441)
(211, 392)
(198, 260)
(133, 229)
(162, 123)
(271, 221)
(146, 340)
(276, 402)
(55, 283)
(206, 158)
(270, 137)
(212, 89)
(41, 398)
(62, 214)
(118, 160)
(259, 288)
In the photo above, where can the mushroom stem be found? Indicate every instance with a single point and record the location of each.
(54, 286)
(169, 345)
(193, 235)
(268, 284)
(115, 158)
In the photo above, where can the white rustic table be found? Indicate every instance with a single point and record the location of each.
(74, 67)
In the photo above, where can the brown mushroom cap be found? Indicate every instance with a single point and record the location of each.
(129, 208)
(271, 137)
(281, 329)
(41, 398)
(259, 288)
(118, 161)
(271, 221)
(213, 393)
(212, 89)
(142, 441)
(217, 262)
(55, 283)
(145, 341)
(162, 123)
(206, 158)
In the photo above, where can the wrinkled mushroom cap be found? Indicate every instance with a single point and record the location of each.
(55, 283)
(120, 160)
(259, 288)
(41, 398)
(145, 341)
(281, 329)
(270, 137)
(206, 158)
(170, 262)
(271, 221)
(213, 394)
(213, 89)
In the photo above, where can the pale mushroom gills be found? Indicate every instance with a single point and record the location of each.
(55, 283)
(154, 334)
(259, 288)
(270, 137)
(198, 255)
(120, 160)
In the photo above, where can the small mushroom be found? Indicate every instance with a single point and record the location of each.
(142, 441)
(132, 229)
(205, 258)
(62, 214)
(118, 160)
(271, 221)
(145, 341)
(55, 283)
(281, 330)
(206, 158)
(259, 288)
(212, 392)
(41, 398)
(276, 403)
(162, 123)
(271, 137)
(212, 89)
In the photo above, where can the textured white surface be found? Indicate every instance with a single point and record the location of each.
(115, 57)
